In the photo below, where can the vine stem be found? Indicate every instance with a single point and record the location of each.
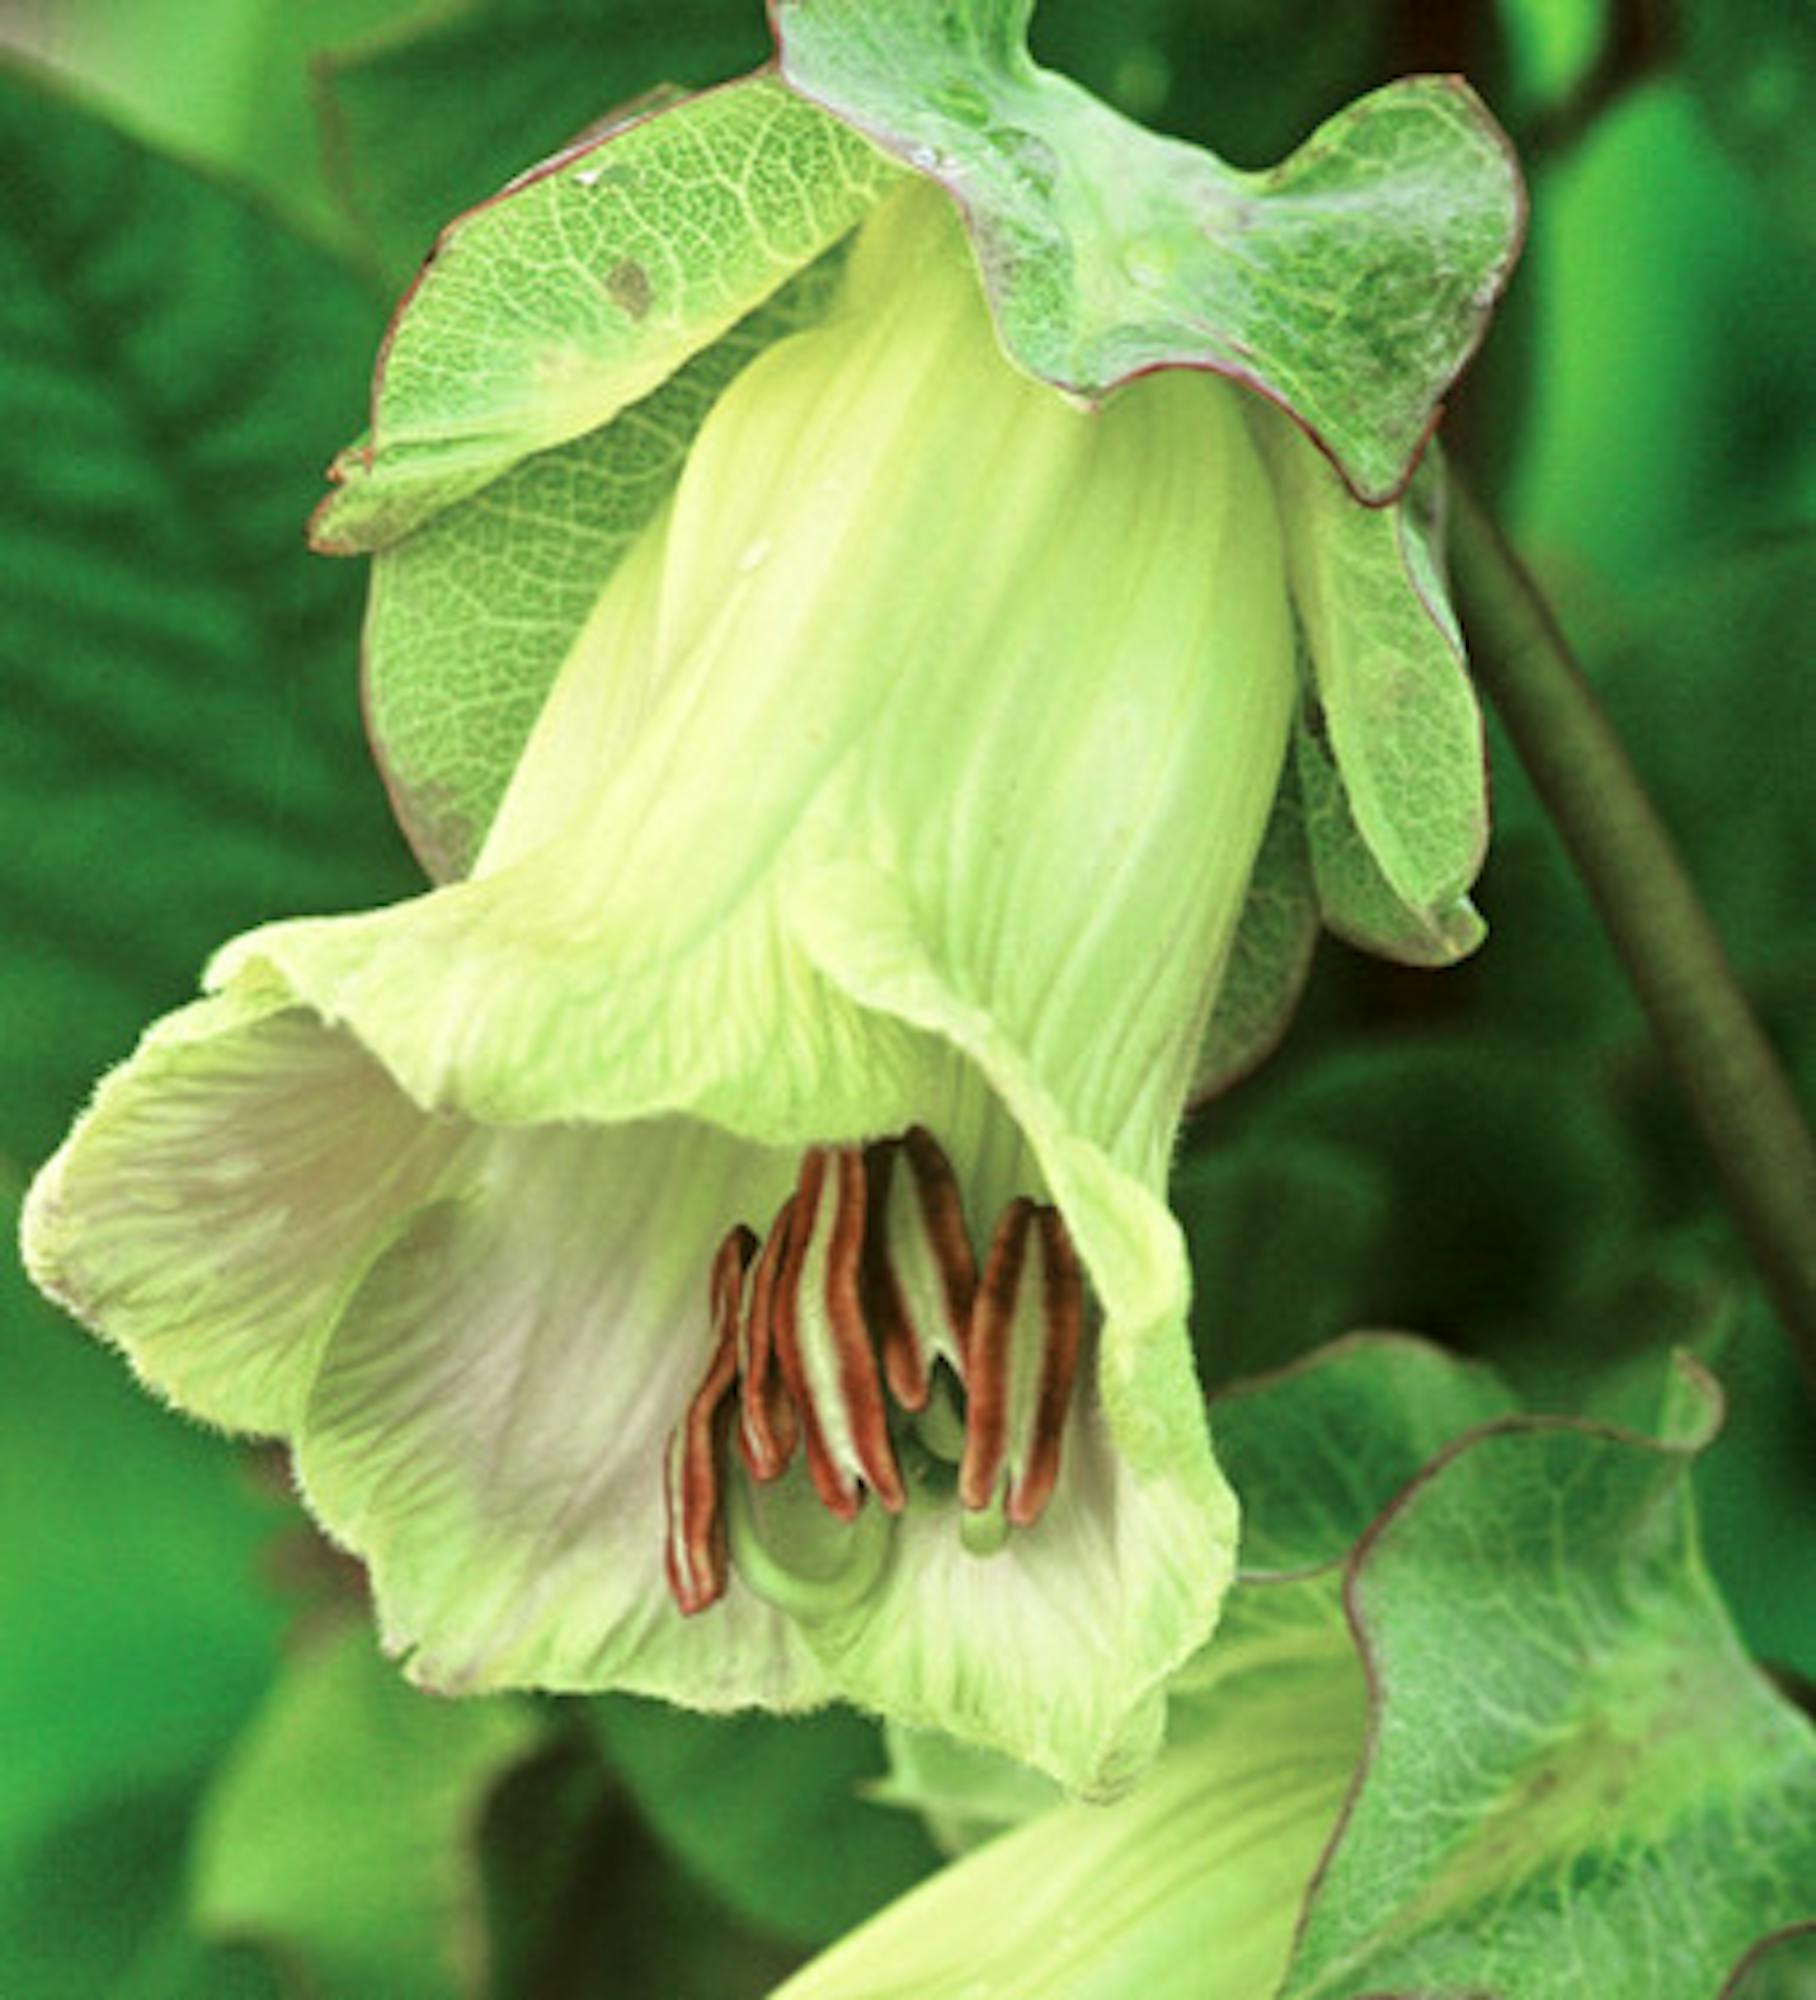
(1727, 1070)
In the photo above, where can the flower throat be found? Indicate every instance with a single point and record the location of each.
(862, 1333)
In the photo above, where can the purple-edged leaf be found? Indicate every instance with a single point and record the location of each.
(1780, 1967)
(1576, 1782)
(585, 286)
(1357, 1422)
(1350, 284)
(471, 616)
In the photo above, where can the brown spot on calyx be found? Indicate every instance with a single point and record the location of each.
(627, 285)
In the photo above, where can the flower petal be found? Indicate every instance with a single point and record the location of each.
(1198, 1874)
(211, 1209)
(489, 1422)
(886, 625)
(1054, 1649)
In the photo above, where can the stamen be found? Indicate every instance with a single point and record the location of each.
(864, 1308)
(767, 1427)
(823, 1343)
(921, 1274)
(988, 1355)
(1022, 1353)
(695, 1553)
(1063, 1310)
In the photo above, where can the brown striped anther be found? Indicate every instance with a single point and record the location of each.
(1027, 1327)
(694, 1554)
(823, 1343)
(768, 1427)
(920, 1275)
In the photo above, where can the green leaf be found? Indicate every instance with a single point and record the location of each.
(1698, 688)
(136, 1640)
(1357, 1423)
(182, 753)
(1695, 682)
(136, 1636)
(229, 85)
(95, 1904)
(1349, 285)
(1283, 1233)
(1752, 65)
(1756, 1486)
(1576, 1782)
(1499, 1182)
(583, 1904)
(1394, 701)
(343, 1832)
(426, 124)
(1356, 899)
(1651, 245)
(769, 1812)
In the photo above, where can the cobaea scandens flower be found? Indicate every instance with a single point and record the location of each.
(717, 1245)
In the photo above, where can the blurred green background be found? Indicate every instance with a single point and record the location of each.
(209, 1786)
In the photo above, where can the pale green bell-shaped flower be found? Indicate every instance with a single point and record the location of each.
(719, 1248)
(1190, 1887)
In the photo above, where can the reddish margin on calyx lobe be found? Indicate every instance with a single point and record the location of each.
(437, 863)
(1457, 85)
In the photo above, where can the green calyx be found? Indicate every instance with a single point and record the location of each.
(1349, 285)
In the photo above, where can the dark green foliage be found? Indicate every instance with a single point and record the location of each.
(182, 754)
(1491, 1156)
(524, 78)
